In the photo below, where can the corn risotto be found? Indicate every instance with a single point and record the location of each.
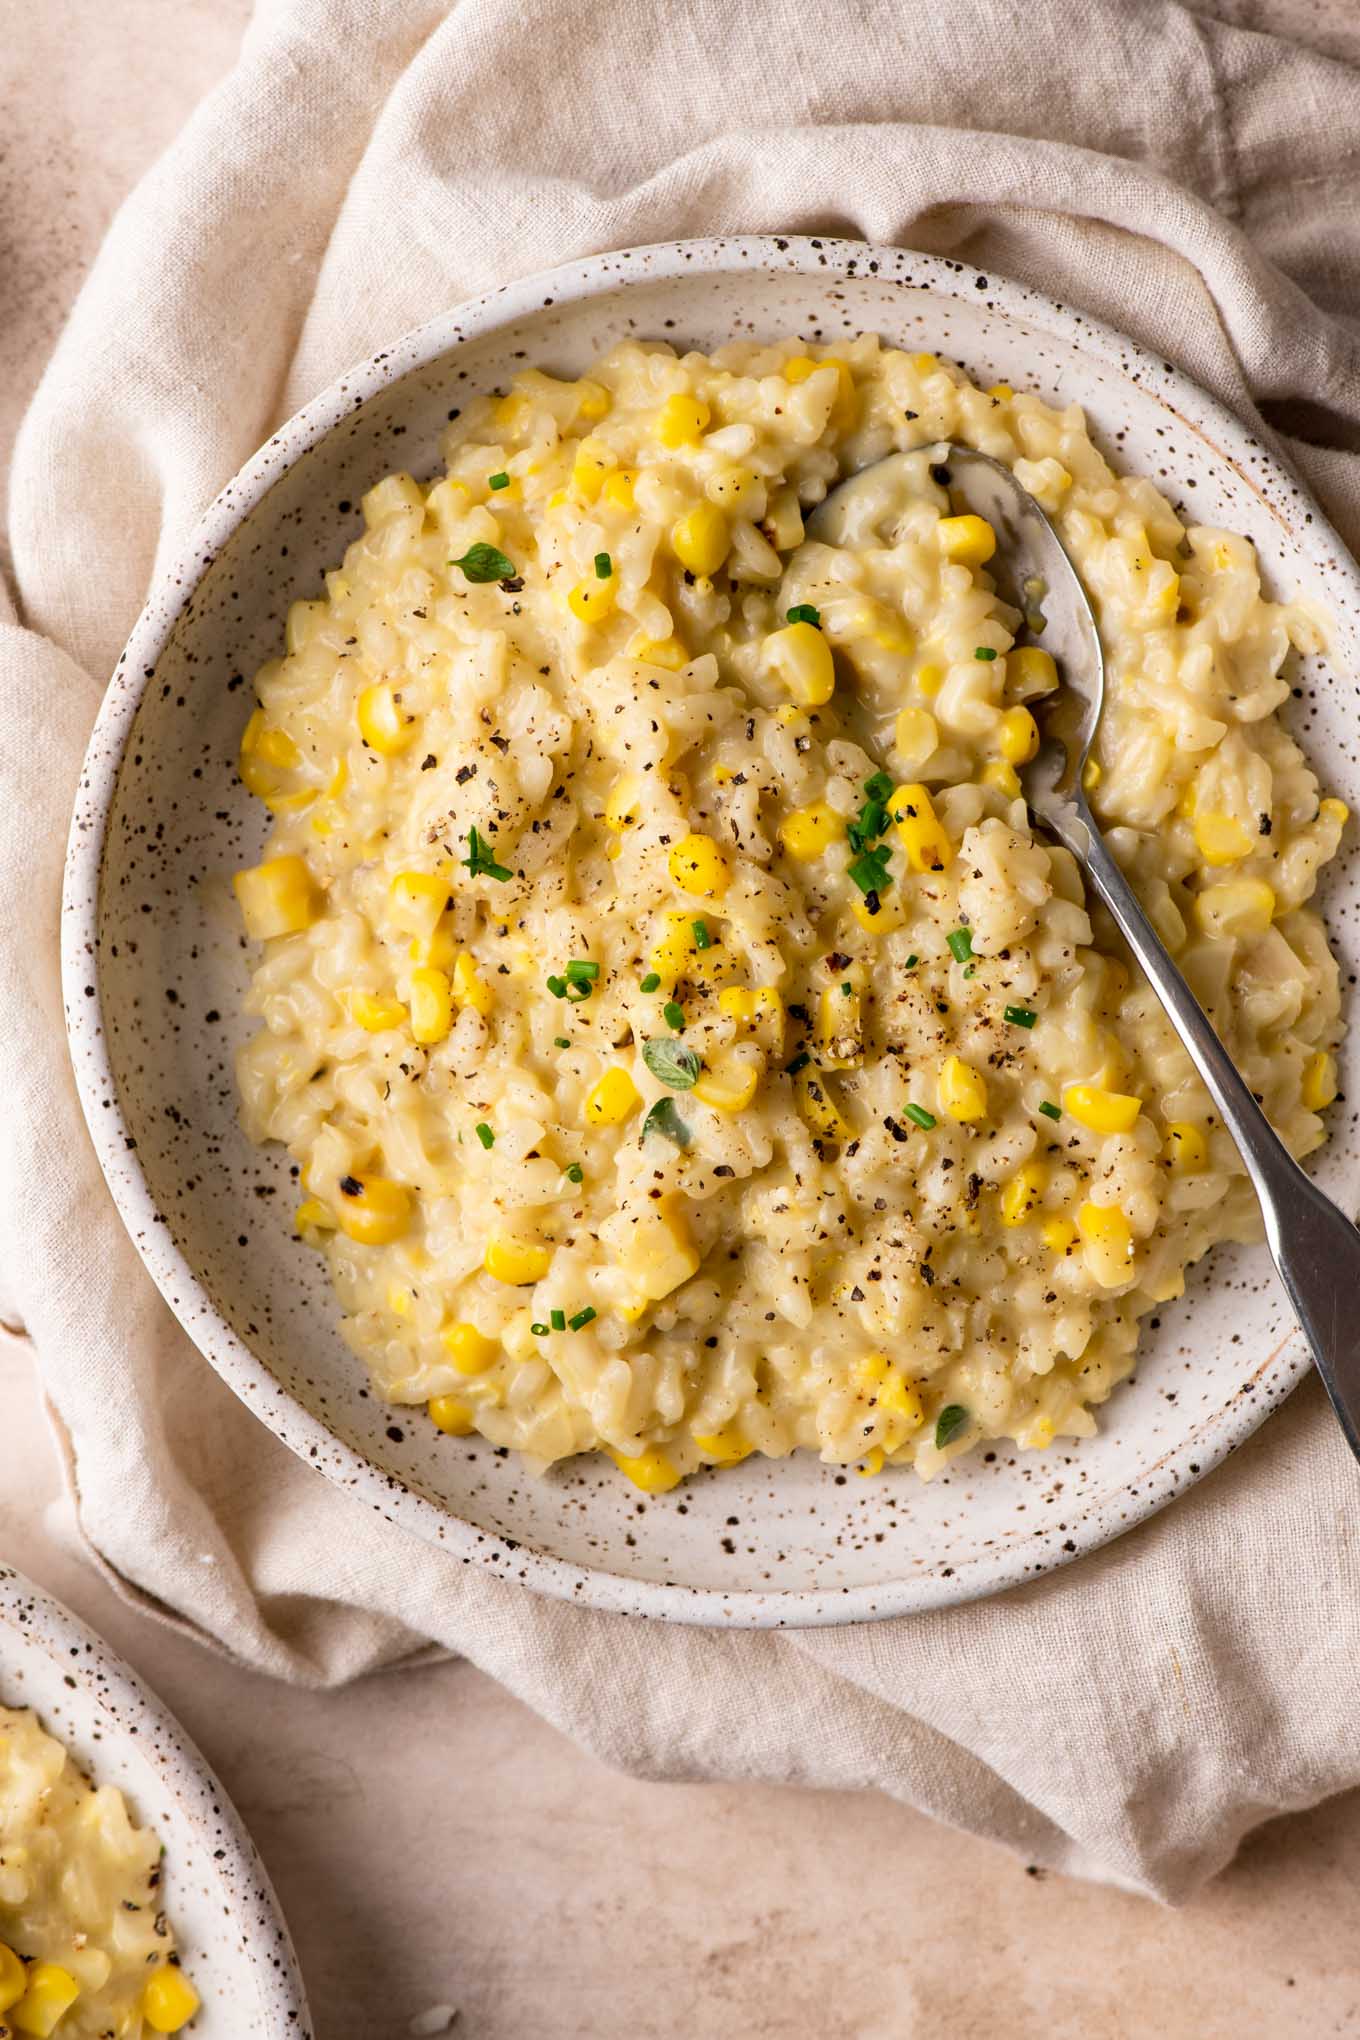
(86, 1952)
(687, 1047)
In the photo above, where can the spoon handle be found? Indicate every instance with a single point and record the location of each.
(1314, 1245)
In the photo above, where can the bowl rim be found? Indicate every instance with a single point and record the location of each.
(1015, 1561)
(134, 1715)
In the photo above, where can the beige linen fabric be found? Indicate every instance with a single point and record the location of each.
(364, 166)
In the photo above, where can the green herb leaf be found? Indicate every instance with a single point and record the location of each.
(479, 860)
(484, 1134)
(500, 481)
(604, 566)
(583, 1317)
(664, 1119)
(918, 1116)
(651, 983)
(1049, 1110)
(804, 612)
(670, 1062)
(960, 944)
(485, 563)
(984, 652)
(674, 1015)
(1020, 1016)
(949, 1423)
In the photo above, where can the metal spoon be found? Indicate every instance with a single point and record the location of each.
(1314, 1246)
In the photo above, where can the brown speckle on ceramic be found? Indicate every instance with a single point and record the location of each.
(155, 970)
(230, 1931)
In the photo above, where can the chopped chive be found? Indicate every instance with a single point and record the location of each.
(1049, 1110)
(479, 861)
(846, 990)
(583, 1317)
(558, 1320)
(804, 612)
(879, 787)
(560, 1041)
(1020, 1016)
(702, 938)
(651, 983)
(911, 963)
(984, 652)
(918, 1116)
(484, 1134)
(558, 987)
(579, 981)
(500, 481)
(961, 944)
(970, 971)
(949, 1423)
(580, 970)
(539, 1331)
(674, 1015)
(604, 566)
(575, 1173)
(870, 870)
(486, 563)
(800, 1062)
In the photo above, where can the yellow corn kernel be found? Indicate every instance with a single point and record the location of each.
(916, 735)
(623, 808)
(1319, 1081)
(374, 1211)
(818, 1108)
(900, 1399)
(515, 1261)
(922, 832)
(1037, 1435)
(470, 1350)
(681, 420)
(1108, 1239)
(375, 1014)
(169, 2000)
(592, 600)
(276, 898)
(1003, 777)
(1057, 1234)
(612, 1098)
(1018, 736)
(470, 988)
(1099, 1110)
(417, 899)
(809, 831)
(451, 1415)
(314, 1216)
(49, 1993)
(1236, 907)
(431, 1006)
(700, 539)
(1221, 839)
(730, 1085)
(1335, 811)
(1022, 1193)
(674, 948)
(617, 490)
(1164, 601)
(969, 539)
(438, 952)
(759, 1007)
(1187, 1147)
(846, 406)
(1091, 775)
(400, 1300)
(724, 1448)
(558, 498)
(802, 662)
(382, 725)
(891, 915)
(733, 487)
(925, 364)
(276, 747)
(661, 1255)
(1030, 671)
(840, 1027)
(593, 400)
(700, 866)
(962, 1090)
(651, 1470)
(13, 1978)
(871, 1463)
(667, 652)
(1001, 390)
(929, 680)
(593, 462)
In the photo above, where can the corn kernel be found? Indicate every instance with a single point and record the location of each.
(669, 652)
(314, 1216)
(594, 460)
(1236, 907)
(1022, 1193)
(700, 539)
(1108, 1239)
(50, 1991)
(515, 1261)
(593, 399)
(818, 1108)
(470, 1350)
(470, 988)
(968, 539)
(700, 866)
(1001, 390)
(961, 1089)
(623, 808)
(431, 1006)
(929, 680)
(592, 600)
(382, 725)
(1037, 1435)
(900, 1400)
(451, 1415)
(916, 735)
(651, 1470)
(809, 831)
(871, 1463)
(922, 832)
(1335, 811)
(1030, 671)
(1018, 736)
(416, 901)
(1057, 1234)
(891, 914)
(617, 490)
(724, 1448)
(1187, 1147)
(375, 1211)
(612, 1098)
(169, 2000)
(802, 662)
(1099, 1110)
(925, 364)
(1319, 1081)
(1003, 777)
(733, 487)
(376, 1015)
(661, 1255)
(728, 1086)
(845, 408)
(1091, 775)
(758, 1007)
(681, 420)
(674, 948)
(400, 1300)
(840, 1027)
(276, 898)
(1221, 839)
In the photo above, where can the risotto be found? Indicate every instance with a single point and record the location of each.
(86, 1951)
(688, 1048)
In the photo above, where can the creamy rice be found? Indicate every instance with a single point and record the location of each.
(688, 1047)
(86, 1951)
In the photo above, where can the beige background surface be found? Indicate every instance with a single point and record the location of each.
(431, 1841)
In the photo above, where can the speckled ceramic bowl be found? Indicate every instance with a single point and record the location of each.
(227, 1920)
(155, 969)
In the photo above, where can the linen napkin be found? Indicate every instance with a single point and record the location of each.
(365, 165)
